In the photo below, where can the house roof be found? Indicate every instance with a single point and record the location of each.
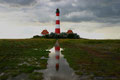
(69, 31)
(44, 32)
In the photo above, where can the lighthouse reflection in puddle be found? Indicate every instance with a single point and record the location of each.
(58, 68)
(57, 55)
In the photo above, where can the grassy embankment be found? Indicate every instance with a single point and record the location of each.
(23, 56)
(97, 58)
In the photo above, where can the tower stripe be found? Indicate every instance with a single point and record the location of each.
(57, 21)
(57, 18)
(57, 30)
(58, 26)
(57, 14)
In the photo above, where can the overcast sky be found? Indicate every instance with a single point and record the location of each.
(94, 19)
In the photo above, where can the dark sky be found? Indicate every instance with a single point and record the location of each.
(73, 10)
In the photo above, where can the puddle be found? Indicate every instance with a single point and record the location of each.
(1, 74)
(105, 78)
(43, 57)
(35, 49)
(22, 76)
(24, 63)
(58, 68)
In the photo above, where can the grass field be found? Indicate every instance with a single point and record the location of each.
(96, 59)
(21, 57)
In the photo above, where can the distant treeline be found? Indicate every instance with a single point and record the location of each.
(60, 36)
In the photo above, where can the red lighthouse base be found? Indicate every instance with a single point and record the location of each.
(57, 31)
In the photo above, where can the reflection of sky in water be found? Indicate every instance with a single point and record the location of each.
(58, 68)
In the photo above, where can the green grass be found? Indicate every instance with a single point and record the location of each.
(23, 56)
(100, 58)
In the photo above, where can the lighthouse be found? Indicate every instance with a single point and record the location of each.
(57, 29)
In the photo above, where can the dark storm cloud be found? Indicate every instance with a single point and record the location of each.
(18, 3)
(56, 0)
(103, 10)
(73, 10)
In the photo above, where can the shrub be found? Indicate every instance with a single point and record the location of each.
(36, 36)
(62, 35)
